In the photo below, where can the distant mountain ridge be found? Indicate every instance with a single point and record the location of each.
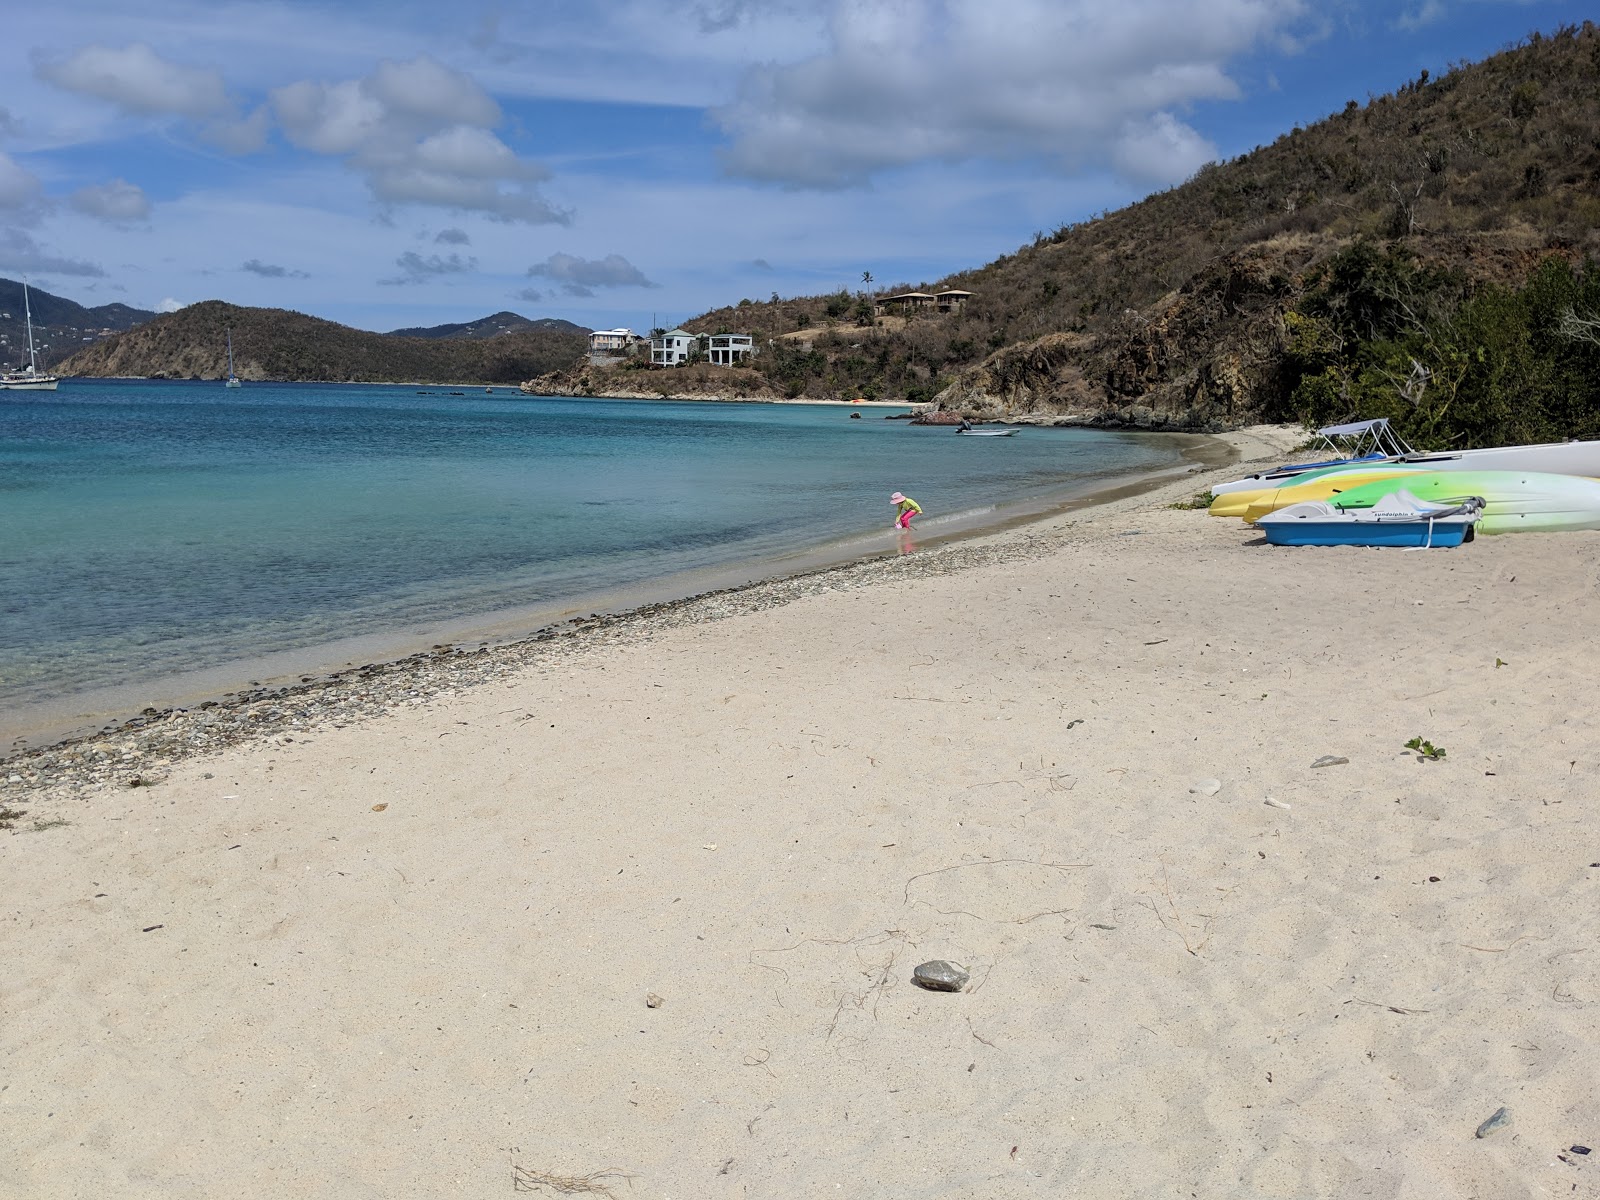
(278, 344)
(61, 327)
(491, 326)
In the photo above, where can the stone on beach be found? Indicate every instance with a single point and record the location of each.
(939, 976)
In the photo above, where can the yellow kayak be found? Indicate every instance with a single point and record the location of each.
(1253, 504)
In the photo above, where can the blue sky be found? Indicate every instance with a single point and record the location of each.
(634, 162)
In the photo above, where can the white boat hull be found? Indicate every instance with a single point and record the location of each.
(44, 384)
(1551, 458)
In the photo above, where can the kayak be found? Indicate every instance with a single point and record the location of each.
(1554, 458)
(1313, 485)
(1514, 501)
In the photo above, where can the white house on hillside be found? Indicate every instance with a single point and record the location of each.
(612, 340)
(729, 349)
(672, 348)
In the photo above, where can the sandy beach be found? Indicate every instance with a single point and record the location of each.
(634, 909)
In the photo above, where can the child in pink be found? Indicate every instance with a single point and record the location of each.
(905, 509)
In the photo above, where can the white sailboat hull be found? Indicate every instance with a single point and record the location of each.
(44, 383)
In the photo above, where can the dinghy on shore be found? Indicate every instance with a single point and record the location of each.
(1397, 519)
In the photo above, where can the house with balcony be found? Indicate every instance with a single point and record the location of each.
(612, 341)
(948, 301)
(672, 349)
(609, 345)
(729, 349)
(905, 302)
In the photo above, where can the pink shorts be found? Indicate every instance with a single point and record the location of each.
(905, 518)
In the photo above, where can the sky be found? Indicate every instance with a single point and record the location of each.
(632, 163)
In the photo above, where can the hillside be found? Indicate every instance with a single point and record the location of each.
(1190, 309)
(274, 343)
(491, 326)
(60, 326)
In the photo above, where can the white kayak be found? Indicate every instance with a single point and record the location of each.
(1551, 458)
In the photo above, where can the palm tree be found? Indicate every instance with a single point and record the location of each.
(866, 278)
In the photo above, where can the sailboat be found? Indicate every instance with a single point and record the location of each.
(233, 380)
(31, 379)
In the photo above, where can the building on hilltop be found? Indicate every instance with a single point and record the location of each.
(672, 349)
(609, 345)
(602, 340)
(949, 300)
(903, 303)
(729, 349)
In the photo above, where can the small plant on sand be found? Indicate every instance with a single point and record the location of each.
(9, 816)
(1198, 500)
(1425, 749)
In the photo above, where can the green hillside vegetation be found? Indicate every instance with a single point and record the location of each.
(61, 327)
(276, 344)
(1427, 255)
(487, 327)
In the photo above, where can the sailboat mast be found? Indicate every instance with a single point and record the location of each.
(27, 312)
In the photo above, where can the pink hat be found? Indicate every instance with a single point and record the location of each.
(896, 498)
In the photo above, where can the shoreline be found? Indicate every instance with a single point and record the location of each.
(93, 747)
(644, 901)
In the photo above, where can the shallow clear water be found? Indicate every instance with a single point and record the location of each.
(148, 528)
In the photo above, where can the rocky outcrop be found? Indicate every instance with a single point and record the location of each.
(1203, 358)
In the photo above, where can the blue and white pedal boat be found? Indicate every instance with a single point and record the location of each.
(1399, 519)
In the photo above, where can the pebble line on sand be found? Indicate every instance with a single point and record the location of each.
(138, 751)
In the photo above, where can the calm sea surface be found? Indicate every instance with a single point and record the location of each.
(153, 528)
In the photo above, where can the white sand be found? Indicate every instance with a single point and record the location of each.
(769, 820)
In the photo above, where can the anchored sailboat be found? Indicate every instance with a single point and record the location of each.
(233, 380)
(30, 379)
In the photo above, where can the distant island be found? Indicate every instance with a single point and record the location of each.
(277, 344)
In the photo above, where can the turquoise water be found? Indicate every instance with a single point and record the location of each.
(148, 528)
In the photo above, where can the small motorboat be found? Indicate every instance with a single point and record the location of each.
(986, 432)
(1398, 519)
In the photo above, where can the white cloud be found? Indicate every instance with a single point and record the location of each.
(118, 202)
(272, 270)
(19, 187)
(580, 276)
(240, 135)
(420, 134)
(1160, 150)
(169, 305)
(19, 252)
(1074, 81)
(138, 80)
(414, 268)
